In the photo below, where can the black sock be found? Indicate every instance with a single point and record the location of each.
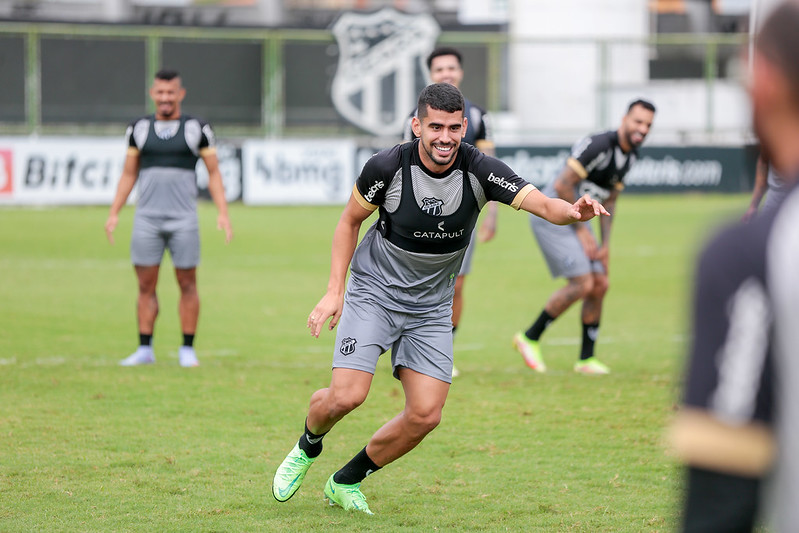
(145, 340)
(356, 470)
(590, 334)
(537, 329)
(311, 443)
(188, 339)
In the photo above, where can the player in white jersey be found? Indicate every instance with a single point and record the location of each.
(399, 295)
(162, 154)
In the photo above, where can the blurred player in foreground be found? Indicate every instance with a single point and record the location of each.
(429, 193)
(597, 167)
(739, 422)
(162, 154)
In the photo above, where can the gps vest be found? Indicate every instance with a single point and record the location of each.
(424, 229)
(170, 152)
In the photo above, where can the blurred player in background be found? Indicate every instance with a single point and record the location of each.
(740, 409)
(769, 184)
(162, 155)
(597, 167)
(429, 193)
(446, 66)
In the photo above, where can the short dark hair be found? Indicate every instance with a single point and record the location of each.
(167, 74)
(646, 104)
(443, 51)
(777, 40)
(441, 97)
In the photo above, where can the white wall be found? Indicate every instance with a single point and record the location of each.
(555, 85)
(558, 90)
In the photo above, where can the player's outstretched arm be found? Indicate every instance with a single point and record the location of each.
(561, 212)
(345, 239)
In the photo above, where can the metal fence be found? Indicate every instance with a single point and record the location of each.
(89, 79)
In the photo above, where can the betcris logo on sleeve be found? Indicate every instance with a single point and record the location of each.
(502, 182)
(6, 172)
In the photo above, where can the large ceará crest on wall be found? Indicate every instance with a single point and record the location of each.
(381, 67)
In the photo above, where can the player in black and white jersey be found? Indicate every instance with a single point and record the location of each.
(446, 66)
(737, 430)
(162, 155)
(597, 167)
(399, 296)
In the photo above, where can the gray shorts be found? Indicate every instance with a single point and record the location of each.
(154, 234)
(562, 249)
(421, 342)
(466, 266)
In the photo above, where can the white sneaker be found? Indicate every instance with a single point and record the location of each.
(142, 356)
(187, 356)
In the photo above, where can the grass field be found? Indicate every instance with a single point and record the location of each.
(86, 445)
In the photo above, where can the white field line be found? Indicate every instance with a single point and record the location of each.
(264, 359)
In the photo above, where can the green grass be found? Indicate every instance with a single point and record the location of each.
(86, 445)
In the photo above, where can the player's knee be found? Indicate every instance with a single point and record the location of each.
(582, 286)
(600, 286)
(422, 422)
(188, 289)
(187, 284)
(147, 287)
(339, 403)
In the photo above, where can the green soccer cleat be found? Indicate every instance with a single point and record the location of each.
(531, 352)
(349, 497)
(290, 474)
(591, 366)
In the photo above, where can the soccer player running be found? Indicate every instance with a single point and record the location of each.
(446, 66)
(737, 430)
(597, 167)
(399, 296)
(162, 155)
